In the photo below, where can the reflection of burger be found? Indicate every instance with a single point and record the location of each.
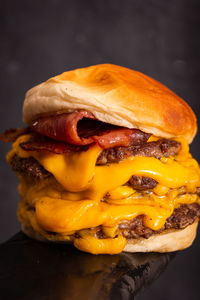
(105, 163)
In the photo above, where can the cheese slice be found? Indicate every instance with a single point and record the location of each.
(74, 171)
(64, 216)
(93, 245)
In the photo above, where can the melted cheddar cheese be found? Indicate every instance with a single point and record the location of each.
(72, 200)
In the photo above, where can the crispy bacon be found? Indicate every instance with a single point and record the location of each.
(81, 128)
(63, 127)
(11, 135)
(41, 143)
(121, 137)
(74, 132)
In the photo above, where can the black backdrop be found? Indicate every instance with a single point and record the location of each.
(42, 38)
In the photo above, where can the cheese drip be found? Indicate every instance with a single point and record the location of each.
(75, 203)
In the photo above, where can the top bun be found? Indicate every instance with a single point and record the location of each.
(114, 95)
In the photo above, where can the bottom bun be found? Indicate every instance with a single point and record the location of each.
(167, 241)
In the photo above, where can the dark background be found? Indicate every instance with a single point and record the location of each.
(39, 39)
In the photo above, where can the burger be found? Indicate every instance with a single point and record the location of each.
(104, 163)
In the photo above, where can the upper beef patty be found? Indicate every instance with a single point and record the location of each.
(158, 149)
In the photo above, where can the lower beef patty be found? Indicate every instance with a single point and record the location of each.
(29, 166)
(183, 216)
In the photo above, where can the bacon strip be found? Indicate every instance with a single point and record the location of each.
(11, 135)
(42, 143)
(63, 127)
(81, 128)
(122, 137)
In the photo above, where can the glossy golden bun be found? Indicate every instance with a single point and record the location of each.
(167, 241)
(115, 95)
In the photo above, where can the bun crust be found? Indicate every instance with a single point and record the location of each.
(167, 241)
(115, 95)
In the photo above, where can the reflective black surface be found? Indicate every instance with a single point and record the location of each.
(34, 270)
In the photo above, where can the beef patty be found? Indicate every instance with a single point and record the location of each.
(29, 166)
(182, 216)
(158, 149)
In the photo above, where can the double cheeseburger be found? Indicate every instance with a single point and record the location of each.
(104, 163)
